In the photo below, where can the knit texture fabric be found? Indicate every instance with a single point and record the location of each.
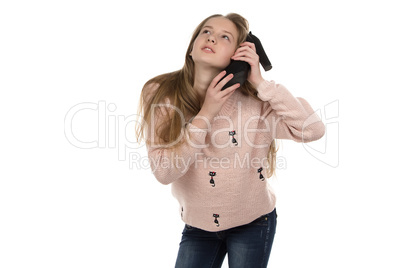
(218, 174)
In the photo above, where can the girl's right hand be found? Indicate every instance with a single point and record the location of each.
(215, 97)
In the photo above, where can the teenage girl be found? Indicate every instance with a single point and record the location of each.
(217, 147)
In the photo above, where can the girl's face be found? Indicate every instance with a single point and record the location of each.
(215, 44)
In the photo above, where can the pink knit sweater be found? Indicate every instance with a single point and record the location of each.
(218, 174)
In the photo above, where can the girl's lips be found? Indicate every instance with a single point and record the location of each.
(208, 50)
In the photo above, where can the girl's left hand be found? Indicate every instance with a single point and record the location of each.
(247, 52)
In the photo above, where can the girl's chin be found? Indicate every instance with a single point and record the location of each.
(211, 65)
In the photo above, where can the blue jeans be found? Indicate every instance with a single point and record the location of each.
(247, 245)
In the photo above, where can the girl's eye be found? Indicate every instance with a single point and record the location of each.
(206, 31)
(225, 37)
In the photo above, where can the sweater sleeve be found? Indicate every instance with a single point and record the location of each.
(171, 161)
(291, 117)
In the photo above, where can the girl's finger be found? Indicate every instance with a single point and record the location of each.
(224, 81)
(227, 92)
(218, 78)
(243, 54)
(248, 44)
(233, 87)
(249, 58)
(242, 49)
(248, 52)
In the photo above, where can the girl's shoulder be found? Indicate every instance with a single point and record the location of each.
(150, 93)
(248, 99)
(150, 88)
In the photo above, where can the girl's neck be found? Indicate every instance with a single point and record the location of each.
(202, 80)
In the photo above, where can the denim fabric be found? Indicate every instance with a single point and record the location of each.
(247, 245)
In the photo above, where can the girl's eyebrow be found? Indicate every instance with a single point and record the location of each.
(207, 26)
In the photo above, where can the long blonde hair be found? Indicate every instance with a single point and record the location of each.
(178, 87)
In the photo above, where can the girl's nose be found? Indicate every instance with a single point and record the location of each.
(211, 39)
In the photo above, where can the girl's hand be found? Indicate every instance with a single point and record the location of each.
(247, 52)
(214, 99)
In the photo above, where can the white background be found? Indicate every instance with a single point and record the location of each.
(64, 206)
